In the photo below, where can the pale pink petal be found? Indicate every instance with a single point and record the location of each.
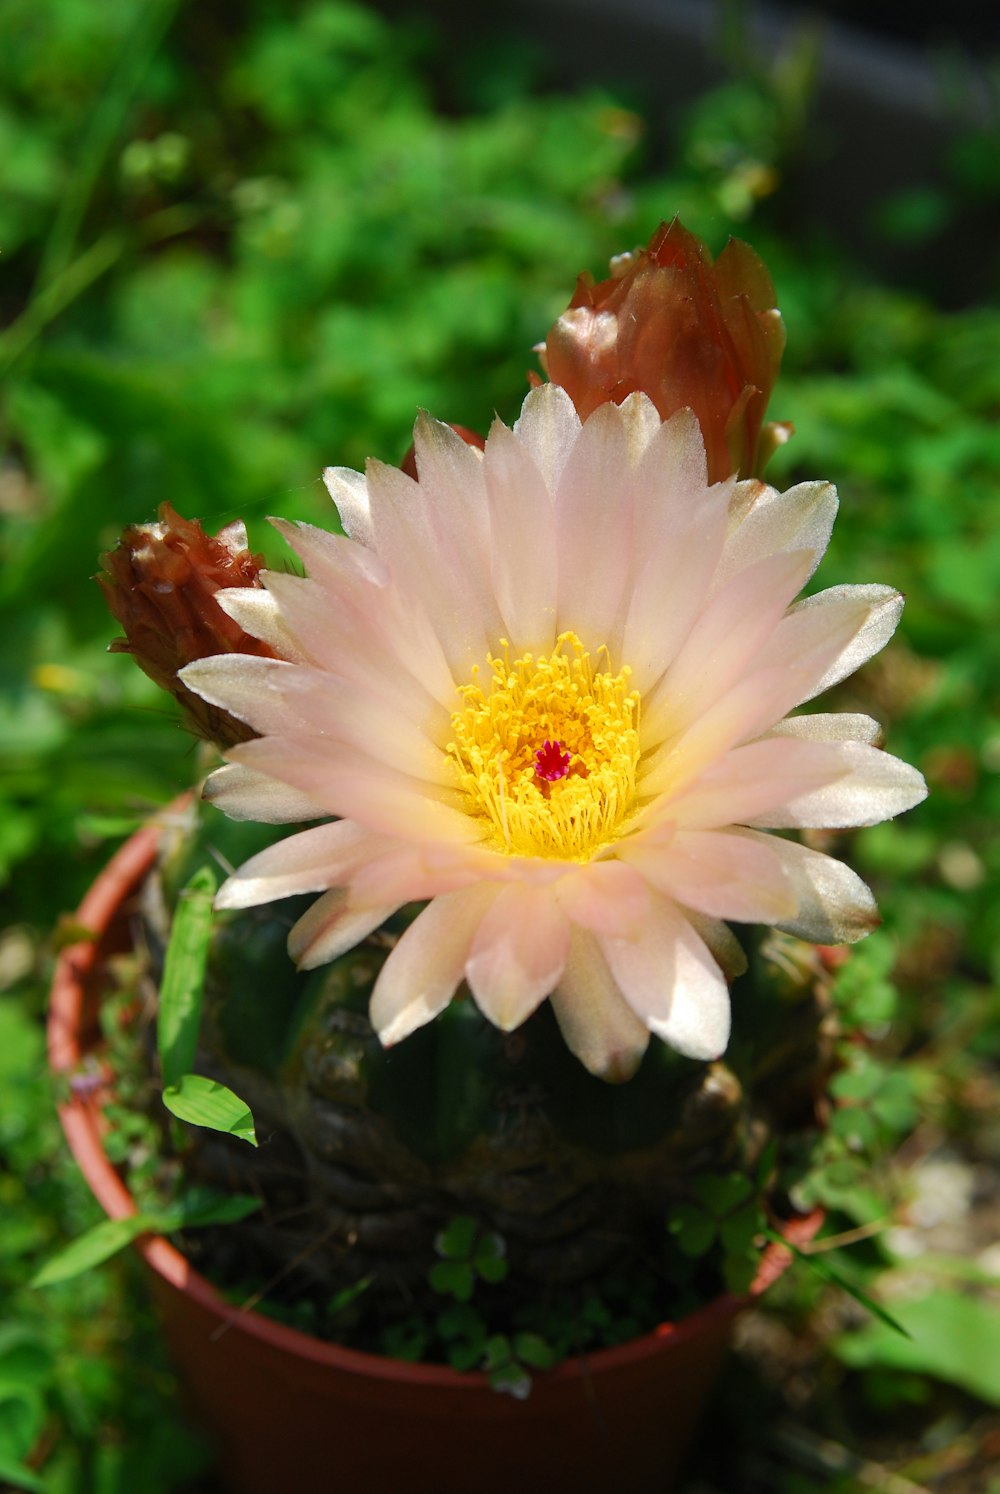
(312, 861)
(360, 789)
(342, 565)
(834, 905)
(423, 971)
(422, 542)
(830, 726)
(349, 491)
(413, 872)
(243, 794)
(641, 422)
(278, 699)
(723, 945)
(331, 927)
(522, 522)
(517, 955)
(606, 897)
(785, 672)
(669, 978)
(593, 532)
(258, 614)
(765, 522)
(870, 613)
(372, 635)
(718, 872)
(453, 472)
(725, 641)
(595, 1020)
(874, 787)
(746, 781)
(679, 526)
(547, 427)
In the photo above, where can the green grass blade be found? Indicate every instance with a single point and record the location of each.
(182, 987)
(19, 1477)
(830, 1274)
(90, 1249)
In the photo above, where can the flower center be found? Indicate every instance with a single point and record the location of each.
(547, 750)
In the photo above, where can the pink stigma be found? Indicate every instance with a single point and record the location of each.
(551, 761)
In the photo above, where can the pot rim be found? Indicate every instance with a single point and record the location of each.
(81, 1117)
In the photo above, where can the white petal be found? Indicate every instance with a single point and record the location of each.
(881, 610)
(312, 861)
(722, 873)
(547, 428)
(673, 984)
(280, 699)
(641, 421)
(835, 906)
(595, 1020)
(766, 522)
(371, 634)
(258, 614)
(331, 927)
(349, 491)
(422, 540)
(724, 947)
(873, 788)
(753, 780)
(348, 784)
(593, 528)
(830, 726)
(724, 643)
(517, 955)
(679, 526)
(787, 670)
(411, 872)
(606, 897)
(522, 524)
(243, 794)
(422, 973)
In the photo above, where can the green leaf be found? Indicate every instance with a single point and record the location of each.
(491, 1268)
(19, 1477)
(954, 1336)
(182, 987)
(457, 1238)
(201, 1206)
(206, 1102)
(90, 1249)
(533, 1350)
(721, 1194)
(949, 1334)
(22, 1418)
(204, 1206)
(452, 1277)
(695, 1231)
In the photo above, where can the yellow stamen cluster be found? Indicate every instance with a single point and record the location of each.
(502, 725)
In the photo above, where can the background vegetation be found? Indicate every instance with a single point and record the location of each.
(242, 241)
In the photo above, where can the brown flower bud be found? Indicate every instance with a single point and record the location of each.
(684, 331)
(160, 583)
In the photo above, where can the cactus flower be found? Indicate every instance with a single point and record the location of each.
(545, 690)
(685, 331)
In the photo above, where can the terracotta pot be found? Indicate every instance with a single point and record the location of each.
(293, 1413)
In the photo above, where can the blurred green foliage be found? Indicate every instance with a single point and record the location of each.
(242, 241)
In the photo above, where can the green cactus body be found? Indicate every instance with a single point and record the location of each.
(367, 1154)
